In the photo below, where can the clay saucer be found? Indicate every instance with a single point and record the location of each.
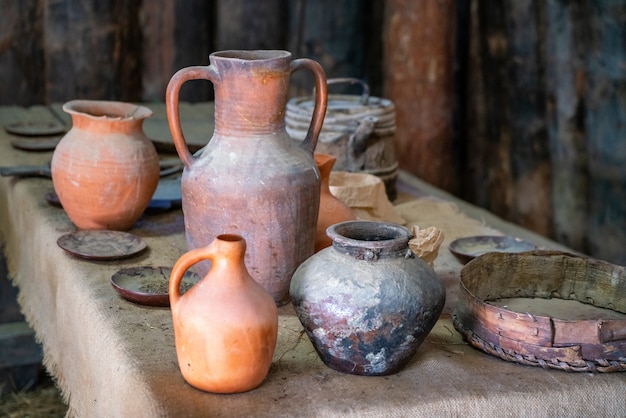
(101, 244)
(34, 128)
(36, 143)
(468, 248)
(148, 285)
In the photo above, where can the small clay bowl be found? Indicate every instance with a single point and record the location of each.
(468, 248)
(34, 128)
(149, 285)
(101, 244)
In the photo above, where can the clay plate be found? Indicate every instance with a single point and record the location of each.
(36, 144)
(34, 128)
(148, 285)
(101, 244)
(468, 248)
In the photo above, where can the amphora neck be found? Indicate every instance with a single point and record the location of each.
(252, 91)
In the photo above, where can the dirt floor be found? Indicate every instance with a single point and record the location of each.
(42, 400)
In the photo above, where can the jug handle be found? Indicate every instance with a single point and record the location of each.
(171, 98)
(321, 101)
(183, 264)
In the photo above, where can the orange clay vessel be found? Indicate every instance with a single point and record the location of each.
(104, 169)
(332, 210)
(226, 325)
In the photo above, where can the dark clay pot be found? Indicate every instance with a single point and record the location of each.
(367, 302)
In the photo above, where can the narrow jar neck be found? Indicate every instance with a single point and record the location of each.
(369, 240)
(251, 94)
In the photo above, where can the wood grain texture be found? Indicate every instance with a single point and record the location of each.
(605, 127)
(418, 75)
(91, 50)
(22, 80)
(565, 89)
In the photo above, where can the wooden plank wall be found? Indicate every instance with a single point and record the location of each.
(518, 107)
(546, 127)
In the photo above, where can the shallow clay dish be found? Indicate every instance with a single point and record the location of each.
(34, 128)
(101, 244)
(36, 144)
(148, 285)
(468, 248)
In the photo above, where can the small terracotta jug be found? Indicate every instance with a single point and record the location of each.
(226, 325)
(332, 210)
(105, 170)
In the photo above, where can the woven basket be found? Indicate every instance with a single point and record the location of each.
(591, 344)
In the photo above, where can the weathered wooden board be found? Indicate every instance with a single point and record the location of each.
(98, 57)
(419, 62)
(22, 79)
(565, 89)
(605, 127)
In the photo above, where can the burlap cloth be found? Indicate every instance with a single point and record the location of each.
(113, 358)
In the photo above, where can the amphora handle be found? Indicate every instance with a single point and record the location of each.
(321, 100)
(171, 98)
(210, 73)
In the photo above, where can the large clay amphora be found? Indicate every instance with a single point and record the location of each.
(226, 325)
(252, 179)
(105, 170)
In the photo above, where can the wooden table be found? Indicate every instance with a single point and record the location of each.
(113, 358)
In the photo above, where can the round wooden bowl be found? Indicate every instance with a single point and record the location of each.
(545, 308)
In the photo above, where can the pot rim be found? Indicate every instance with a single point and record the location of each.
(370, 239)
(251, 55)
(106, 110)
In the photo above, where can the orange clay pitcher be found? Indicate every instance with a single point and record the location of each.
(226, 325)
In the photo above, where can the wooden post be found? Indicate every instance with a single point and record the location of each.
(418, 77)
(529, 150)
(512, 149)
(605, 123)
(565, 89)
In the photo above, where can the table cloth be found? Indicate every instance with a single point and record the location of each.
(113, 358)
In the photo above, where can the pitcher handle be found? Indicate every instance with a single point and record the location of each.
(171, 98)
(184, 263)
(321, 101)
